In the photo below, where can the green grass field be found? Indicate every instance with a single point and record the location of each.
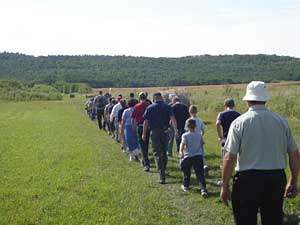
(56, 167)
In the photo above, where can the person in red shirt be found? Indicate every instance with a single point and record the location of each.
(137, 120)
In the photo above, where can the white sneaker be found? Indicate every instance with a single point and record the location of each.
(131, 156)
(184, 188)
(204, 193)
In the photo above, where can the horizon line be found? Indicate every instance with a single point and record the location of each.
(135, 56)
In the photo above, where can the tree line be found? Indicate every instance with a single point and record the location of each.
(128, 71)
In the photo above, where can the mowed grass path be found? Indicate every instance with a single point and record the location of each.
(56, 167)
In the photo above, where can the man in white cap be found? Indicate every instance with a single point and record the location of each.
(259, 140)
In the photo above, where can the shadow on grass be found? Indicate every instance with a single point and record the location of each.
(291, 219)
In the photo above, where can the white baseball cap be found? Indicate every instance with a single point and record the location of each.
(256, 91)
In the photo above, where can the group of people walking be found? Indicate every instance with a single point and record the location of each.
(257, 142)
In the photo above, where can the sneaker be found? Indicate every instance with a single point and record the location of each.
(204, 193)
(162, 181)
(184, 188)
(219, 183)
(146, 168)
(131, 157)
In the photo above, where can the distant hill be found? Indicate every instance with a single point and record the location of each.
(127, 71)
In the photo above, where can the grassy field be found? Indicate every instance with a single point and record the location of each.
(56, 167)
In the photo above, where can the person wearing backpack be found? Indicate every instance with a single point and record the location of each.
(100, 102)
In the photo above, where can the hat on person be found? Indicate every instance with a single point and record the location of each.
(171, 96)
(256, 91)
(142, 94)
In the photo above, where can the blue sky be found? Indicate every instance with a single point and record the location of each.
(150, 28)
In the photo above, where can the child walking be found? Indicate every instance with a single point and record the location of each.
(200, 127)
(191, 153)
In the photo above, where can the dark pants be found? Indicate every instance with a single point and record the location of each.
(144, 145)
(159, 139)
(171, 134)
(197, 163)
(255, 190)
(178, 138)
(100, 114)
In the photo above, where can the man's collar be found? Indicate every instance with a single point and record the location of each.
(257, 107)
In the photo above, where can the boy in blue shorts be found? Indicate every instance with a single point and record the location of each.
(191, 153)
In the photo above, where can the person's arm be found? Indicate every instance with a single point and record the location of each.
(122, 127)
(145, 128)
(294, 164)
(219, 130)
(133, 124)
(181, 150)
(228, 167)
(174, 124)
(112, 114)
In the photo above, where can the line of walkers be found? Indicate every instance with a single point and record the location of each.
(257, 142)
(133, 122)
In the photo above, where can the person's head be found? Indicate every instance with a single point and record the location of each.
(193, 110)
(119, 98)
(131, 103)
(191, 124)
(175, 99)
(123, 103)
(229, 103)
(171, 96)
(113, 101)
(142, 96)
(256, 93)
(157, 97)
(131, 95)
(100, 92)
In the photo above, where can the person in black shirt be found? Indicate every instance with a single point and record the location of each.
(181, 113)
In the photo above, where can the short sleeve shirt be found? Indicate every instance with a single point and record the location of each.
(158, 115)
(181, 113)
(200, 126)
(226, 118)
(138, 111)
(261, 139)
(126, 117)
(193, 142)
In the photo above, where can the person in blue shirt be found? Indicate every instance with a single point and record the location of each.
(191, 153)
(157, 117)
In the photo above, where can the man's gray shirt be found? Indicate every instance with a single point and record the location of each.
(261, 139)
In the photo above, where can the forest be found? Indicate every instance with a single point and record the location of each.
(128, 71)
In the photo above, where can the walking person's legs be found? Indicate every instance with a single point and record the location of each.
(186, 166)
(178, 139)
(171, 134)
(246, 198)
(158, 153)
(197, 162)
(99, 118)
(271, 208)
(144, 147)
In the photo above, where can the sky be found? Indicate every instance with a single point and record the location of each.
(153, 28)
